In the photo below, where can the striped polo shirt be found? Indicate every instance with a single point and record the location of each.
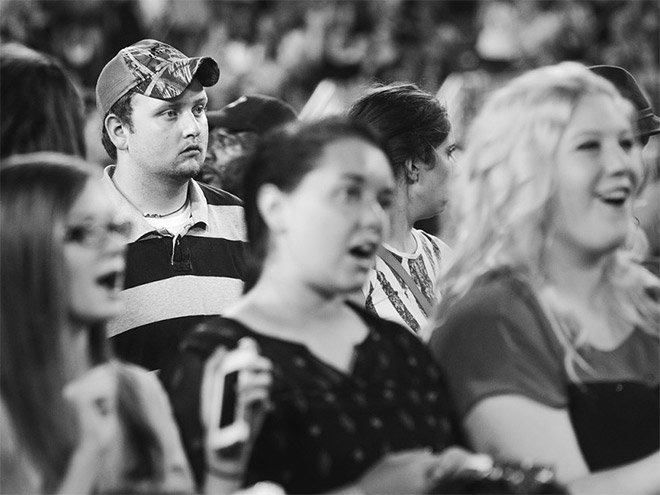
(174, 282)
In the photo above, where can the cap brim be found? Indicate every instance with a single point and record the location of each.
(649, 126)
(208, 72)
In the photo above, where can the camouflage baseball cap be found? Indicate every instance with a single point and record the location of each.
(155, 69)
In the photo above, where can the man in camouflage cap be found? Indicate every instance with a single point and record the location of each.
(185, 258)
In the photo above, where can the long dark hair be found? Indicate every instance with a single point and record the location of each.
(36, 199)
(42, 109)
(37, 191)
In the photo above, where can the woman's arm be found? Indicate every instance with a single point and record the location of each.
(82, 472)
(412, 471)
(518, 428)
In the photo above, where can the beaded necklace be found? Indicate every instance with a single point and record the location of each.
(151, 215)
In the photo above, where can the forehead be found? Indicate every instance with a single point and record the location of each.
(354, 156)
(599, 113)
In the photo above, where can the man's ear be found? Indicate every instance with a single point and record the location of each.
(412, 171)
(117, 131)
(270, 202)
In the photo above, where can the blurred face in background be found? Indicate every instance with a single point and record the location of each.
(335, 219)
(647, 207)
(599, 169)
(94, 256)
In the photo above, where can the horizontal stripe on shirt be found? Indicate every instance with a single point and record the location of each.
(154, 344)
(150, 260)
(173, 298)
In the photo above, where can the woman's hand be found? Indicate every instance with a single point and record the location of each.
(94, 400)
(252, 402)
(253, 384)
(415, 471)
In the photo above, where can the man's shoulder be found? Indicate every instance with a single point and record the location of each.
(218, 197)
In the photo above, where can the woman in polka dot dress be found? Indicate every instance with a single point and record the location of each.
(354, 401)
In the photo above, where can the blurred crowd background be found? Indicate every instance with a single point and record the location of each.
(318, 54)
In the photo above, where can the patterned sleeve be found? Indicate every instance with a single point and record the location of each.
(495, 341)
(182, 380)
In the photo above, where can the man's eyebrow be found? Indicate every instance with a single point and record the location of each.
(176, 103)
(166, 104)
(202, 99)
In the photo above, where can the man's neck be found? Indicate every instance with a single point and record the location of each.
(150, 194)
(400, 232)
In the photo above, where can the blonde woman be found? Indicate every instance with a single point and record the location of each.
(548, 330)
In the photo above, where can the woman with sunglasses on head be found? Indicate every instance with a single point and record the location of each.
(548, 332)
(355, 402)
(73, 419)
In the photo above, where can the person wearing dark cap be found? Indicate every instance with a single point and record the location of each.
(186, 251)
(233, 132)
(648, 124)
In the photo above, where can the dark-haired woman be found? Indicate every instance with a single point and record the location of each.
(356, 402)
(416, 132)
(73, 420)
(42, 109)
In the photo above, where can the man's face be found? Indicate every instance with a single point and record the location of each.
(169, 137)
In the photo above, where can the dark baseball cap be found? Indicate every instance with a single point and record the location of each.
(648, 123)
(254, 113)
(155, 69)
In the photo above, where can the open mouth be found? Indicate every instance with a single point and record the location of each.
(364, 251)
(615, 197)
(112, 280)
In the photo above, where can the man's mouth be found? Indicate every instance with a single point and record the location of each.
(192, 149)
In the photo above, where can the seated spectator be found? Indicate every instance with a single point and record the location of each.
(42, 109)
(233, 132)
(348, 391)
(74, 420)
(548, 329)
(417, 134)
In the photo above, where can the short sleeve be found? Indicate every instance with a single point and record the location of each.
(496, 341)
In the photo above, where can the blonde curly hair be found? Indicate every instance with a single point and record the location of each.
(504, 191)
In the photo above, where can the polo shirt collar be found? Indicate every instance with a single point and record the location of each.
(198, 207)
